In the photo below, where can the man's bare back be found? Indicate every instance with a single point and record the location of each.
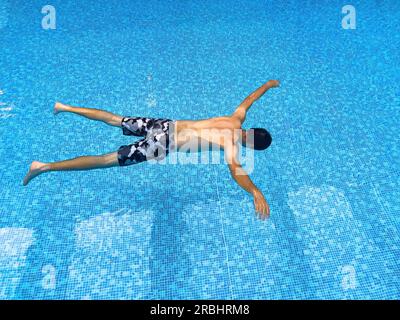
(205, 133)
(225, 133)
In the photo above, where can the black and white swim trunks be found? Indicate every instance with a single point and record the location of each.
(155, 144)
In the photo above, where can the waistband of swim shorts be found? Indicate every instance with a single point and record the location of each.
(171, 135)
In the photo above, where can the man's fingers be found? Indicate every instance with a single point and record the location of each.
(265, 211)
(258, 210)
(262, 209)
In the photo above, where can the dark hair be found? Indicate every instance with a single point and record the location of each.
(262, 138)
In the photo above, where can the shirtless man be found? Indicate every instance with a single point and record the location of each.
(160, 136)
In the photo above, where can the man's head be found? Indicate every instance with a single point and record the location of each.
(256, 138)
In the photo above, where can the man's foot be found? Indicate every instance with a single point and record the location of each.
(59, 107)
(273, 83)
(35, 169)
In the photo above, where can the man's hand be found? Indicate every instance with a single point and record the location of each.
(261, 205)
(273, 83)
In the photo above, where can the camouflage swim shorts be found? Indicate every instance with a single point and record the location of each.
(154, 145)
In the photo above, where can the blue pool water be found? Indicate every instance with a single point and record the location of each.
(331, 176)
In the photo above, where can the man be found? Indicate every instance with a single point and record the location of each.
(160, 136)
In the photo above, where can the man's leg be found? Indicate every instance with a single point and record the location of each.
(93, 114)
(80, 163)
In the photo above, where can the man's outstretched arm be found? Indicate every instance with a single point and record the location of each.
(243, 180)
(242, 109)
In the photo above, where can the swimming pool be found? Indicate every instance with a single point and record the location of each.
(180, 231)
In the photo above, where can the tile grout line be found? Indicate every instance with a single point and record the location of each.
(223, 237)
